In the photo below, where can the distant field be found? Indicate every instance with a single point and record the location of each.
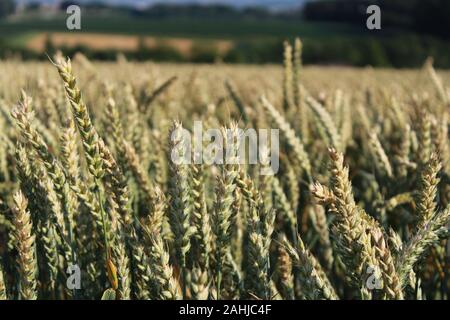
(98, 41)
(17, 30)
(204, 40)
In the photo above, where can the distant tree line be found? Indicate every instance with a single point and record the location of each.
(420, 16)
(6, 7)
(161, 10)
(200, 11)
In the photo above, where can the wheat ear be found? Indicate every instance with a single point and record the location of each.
(181, 201)
(314, 281)
(293, 141)
(166, 285)
(288, 79)
(326, 122)
(25, 245)
(222, 217)
(284, 263)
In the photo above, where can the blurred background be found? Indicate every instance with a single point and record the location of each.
(231, 31)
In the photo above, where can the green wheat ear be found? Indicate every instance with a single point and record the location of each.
(25, 245)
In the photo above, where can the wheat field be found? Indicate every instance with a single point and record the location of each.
(359, 208)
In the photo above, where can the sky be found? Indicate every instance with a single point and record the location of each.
(273, 4)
